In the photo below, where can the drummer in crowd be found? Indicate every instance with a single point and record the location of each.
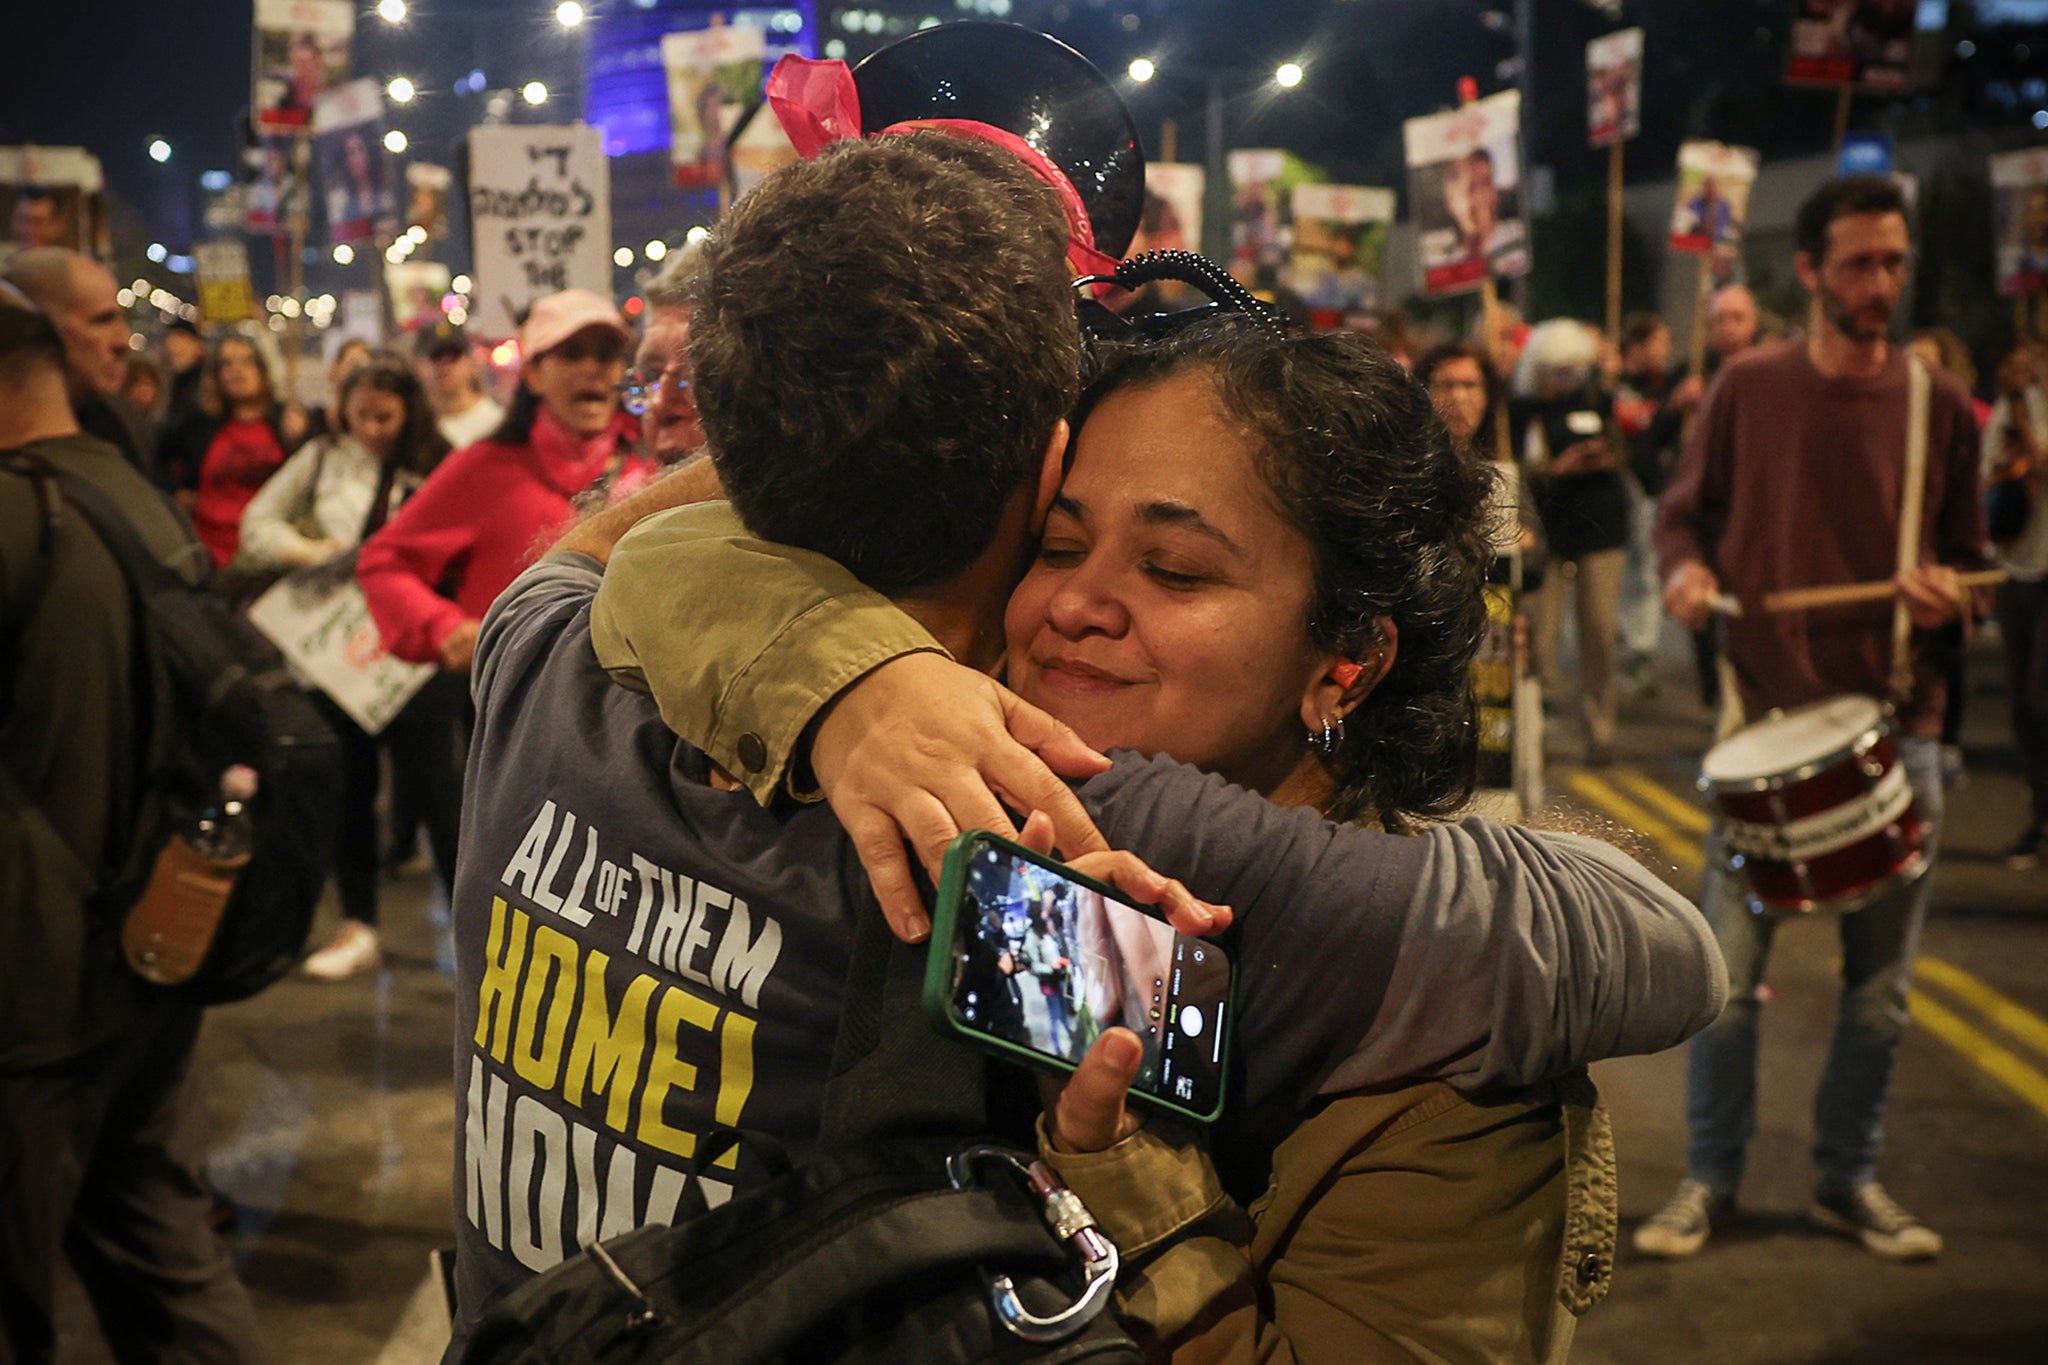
(1793, 478)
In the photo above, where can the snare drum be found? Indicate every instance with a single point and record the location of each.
(1815, 807)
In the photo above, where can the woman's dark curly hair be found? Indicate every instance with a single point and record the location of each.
(1396, 518)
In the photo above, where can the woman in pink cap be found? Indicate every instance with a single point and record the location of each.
(432, 571)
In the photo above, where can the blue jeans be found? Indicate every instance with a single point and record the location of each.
(1878, 946)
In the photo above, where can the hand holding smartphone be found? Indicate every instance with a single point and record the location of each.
(1033, 961)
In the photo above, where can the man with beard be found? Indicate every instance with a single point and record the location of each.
(1792, 478)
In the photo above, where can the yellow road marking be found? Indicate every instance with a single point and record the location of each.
(2014, 1020)
(1680, 812)
(1992, 1059)
(1682, 850)
(1988, 1055)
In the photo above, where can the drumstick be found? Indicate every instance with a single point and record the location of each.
(1847, 594)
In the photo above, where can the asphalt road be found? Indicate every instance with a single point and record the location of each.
(331, 1113)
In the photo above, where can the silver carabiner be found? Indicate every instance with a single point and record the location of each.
(1070, 1221)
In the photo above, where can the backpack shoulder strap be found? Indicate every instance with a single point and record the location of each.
(23, 599)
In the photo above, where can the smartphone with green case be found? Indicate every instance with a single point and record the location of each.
(1032, 961)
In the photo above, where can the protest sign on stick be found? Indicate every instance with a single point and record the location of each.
(1614, 87)
(302, 49)
(1714, 181)
(1172, 220)
(354, 169)
(1855, 44)
(540, 212)
(1340, 241)
(2019, 211)
(1464, 189)
(1614, 114)
(224, 292)
(1255, 246)
(714, 78)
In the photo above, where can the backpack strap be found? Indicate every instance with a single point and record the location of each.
(20, 607)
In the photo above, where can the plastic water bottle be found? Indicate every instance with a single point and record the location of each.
(224, 833)
(169, 929)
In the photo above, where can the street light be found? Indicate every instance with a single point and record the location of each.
(533, 92)
(344, 254)
(401, 90)
(159, 150)
(157, 252)
(656, 250)
(391, 11)
(623, 257)
(394, 141)
(568, 14)
(1288, 76)
(1143, 70)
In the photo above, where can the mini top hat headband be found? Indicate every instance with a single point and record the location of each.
(1021, 90)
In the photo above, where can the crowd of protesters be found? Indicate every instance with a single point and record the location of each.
(435, 481)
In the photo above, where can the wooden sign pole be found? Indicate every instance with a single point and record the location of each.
(295, 269)
(1614, 243)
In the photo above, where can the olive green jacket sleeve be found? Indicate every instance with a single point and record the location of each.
(686, 598)
(1411, 1224)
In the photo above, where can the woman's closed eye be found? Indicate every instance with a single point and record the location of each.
(1178, 579)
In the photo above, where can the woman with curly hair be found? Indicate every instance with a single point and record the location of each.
(1265, 560)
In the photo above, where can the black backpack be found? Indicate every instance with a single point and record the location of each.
(893, 1245)
(210, 693)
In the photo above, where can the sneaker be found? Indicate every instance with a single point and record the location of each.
(1873, 1218)
(353, 952)
(1680, 1228)
(2025, 855)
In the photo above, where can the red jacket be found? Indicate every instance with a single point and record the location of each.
(486, 513)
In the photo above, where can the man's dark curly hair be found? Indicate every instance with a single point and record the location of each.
(1396, 518)
(884, 339)
(1844, 198)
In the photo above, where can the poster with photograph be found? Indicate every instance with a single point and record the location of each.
(354, 169)
(1172, 216)
(302, 49)
(224, 292)
(49, 196)
(2019, 214)
(417, 288)
(319, 621)
(1867, 44)
(426, 194)
(1340, 240)
(1465, 188)
(1614, 87)
(540, 218)
(1256, 246)
(1714, 181)
(714, 77)
(274, 190)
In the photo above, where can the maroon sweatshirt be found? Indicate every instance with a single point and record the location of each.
(1792, 480)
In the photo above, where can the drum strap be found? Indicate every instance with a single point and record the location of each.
(1912, 497)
